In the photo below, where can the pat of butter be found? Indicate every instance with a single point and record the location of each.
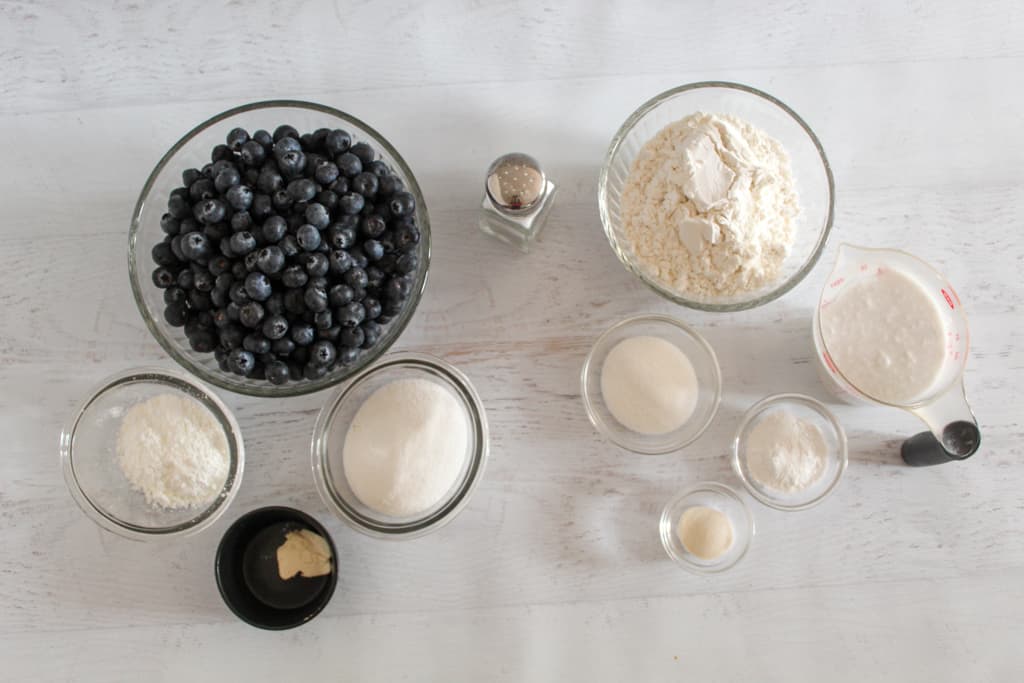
(303, 552)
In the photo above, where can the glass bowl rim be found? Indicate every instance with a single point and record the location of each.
(666, 293)
(588, 401)
(478, 458)
(179, 380)
(295, 388)
(666, 525)
(809, 402)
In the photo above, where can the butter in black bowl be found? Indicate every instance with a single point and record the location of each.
(276, 568)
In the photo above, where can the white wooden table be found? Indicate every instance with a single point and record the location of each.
(554, 571)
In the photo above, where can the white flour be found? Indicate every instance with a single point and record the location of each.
(173, 450)
(785, 452)
(710, 206)
(406, 446)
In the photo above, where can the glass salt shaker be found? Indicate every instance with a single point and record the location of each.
(516, 200)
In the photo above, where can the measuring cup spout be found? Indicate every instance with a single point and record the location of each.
(954, 431)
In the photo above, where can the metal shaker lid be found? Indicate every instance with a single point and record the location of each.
(516, 182)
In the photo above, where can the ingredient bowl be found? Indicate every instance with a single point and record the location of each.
(717, 497)
(193, 151)
(88, 450)
(705, 365)
(810, 167)
(240, 574)
(807, 409)
(332, 428)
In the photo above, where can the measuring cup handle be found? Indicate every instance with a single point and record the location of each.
(924, 449)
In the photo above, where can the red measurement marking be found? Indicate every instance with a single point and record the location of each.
(835, 283)
(949, 301)
(829, 363)
(863, 267)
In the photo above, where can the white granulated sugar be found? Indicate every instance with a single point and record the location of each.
(406, 447)
(173, 450)
(785, 452)
(710, 206)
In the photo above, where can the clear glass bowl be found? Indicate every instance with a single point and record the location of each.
(193, 151)
(88, 451)
(705, 364)
(805, 408)
(811, 171)
(718, 497)
(332, 427)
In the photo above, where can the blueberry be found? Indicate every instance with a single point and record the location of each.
(301, 190)
(352, 337)
(285, 131)
(316, 299)
(252, 153)
(257, 286)
(342, 235)
(349, 165)
(189, 176)
(163, 254)
(406, 263)
(169, 224)
(174, 295)
(263, 137)
(270, 259)
(406, 236)
(186, 279)
(320, 137)
(307, 141)
(337, 142)
(350, 314)
(274, 304)
(238, 270)
(355, 277)
(237, 137)
(179, 207)
(322, 353)
(274, 228)
(220, 153)
(234, 311)
(175, 315)
(371, 333)
(277, 372)
(226, 179)
(210, 211)
(242, 243)
(231, 336)
(221, 165)
(195, 245)
(323, 319)
(256, 343)
(317, 216)
(316, 265)
(241, 362)
(275, 327)
(402, 204)
(329, 333)
(295, 301)
(364, 152)
(365, 184)
(291, 164)
(294, 276)
(283, 346)
(204, 280)
(199, 301)
(250, 176)
(372, 226)
(164, 278)
(308, 237)
(389, 185)
(372, 307)
(302, 334)
(216, 232)
(202, 341)
(220, 316)
(281, 200)
(262, 206)
(392, 307)
(313, 372)
(238, 294)
(219, 297)
(339, 186)
(326, 172)
(351, 203)
(328, 199)
(359, 259)
(238, 196)
(251, 314)
(223, 280)
(373, 249)
(289, 246)
(270, 181)
(397, 289)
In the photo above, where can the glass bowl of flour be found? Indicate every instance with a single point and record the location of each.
(718, 196)
(399, 450)
(111, 455)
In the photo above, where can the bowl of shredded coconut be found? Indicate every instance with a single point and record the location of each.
(717, 196)
(151, 454)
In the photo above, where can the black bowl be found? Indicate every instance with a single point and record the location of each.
(246, 571)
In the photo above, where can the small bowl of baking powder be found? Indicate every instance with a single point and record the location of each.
(151, 454)
(789, 451)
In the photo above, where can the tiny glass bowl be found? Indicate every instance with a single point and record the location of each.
(804, 408)
(193, 151)
(811, 171)
(88, 451)
(332, 428)
(705, 365)
(718, 497)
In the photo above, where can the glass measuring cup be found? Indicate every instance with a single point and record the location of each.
(943, 407)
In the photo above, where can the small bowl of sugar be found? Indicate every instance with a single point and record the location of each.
(789, 451)
(651, 384)
(398, 451)
(152, 453)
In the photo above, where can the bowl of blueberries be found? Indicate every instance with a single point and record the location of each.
(279, 248)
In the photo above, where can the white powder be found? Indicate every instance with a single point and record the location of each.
(710, 206)
(649, 385)
(785, 452)
(173, 450)
(406, 447)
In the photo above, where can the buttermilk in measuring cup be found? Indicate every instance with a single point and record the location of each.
(886, 335)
